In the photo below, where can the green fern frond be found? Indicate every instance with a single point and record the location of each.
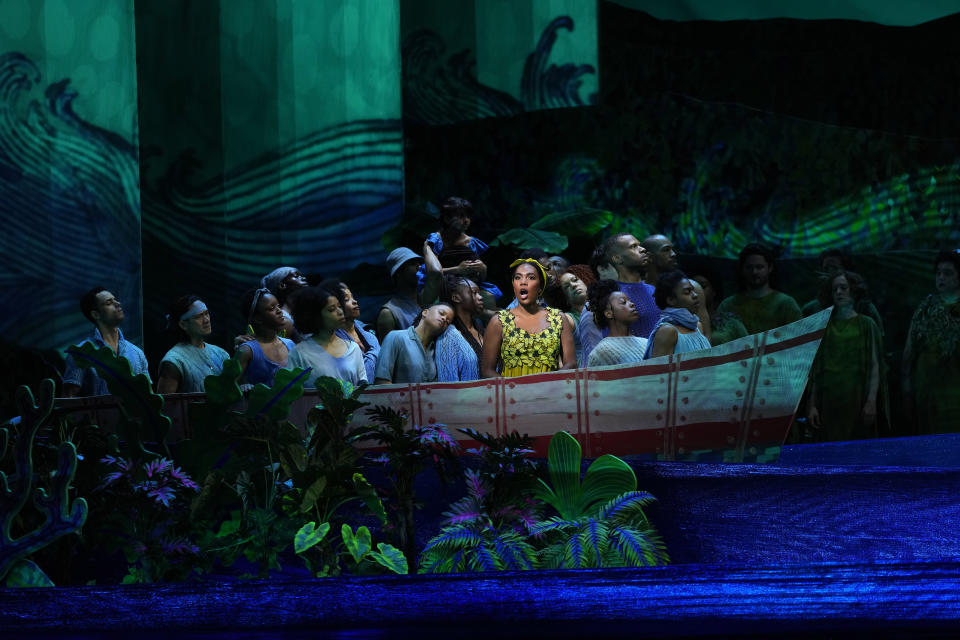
(638, 548)
(554, 523)
(627, 507)
(517, 553)
(592, 538)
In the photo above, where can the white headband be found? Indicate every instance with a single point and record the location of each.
(195, 309)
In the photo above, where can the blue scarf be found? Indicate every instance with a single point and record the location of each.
(677, 317)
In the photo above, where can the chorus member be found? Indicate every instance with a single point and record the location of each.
(663, 257)
(931, 358)
(283, 282)
(630, 259)
(724, 325)
(833, 261)
(542, 258)
(268, 351)
(105, 312)
(528, 338)
(570, 296)
(403, 307)
(459, 347)
(458, 252)
(758, 304)
(188, 363)
(409, 355)
(317, 313)
(845, 379)
(680, 329)
(615, 312)
(353, 328)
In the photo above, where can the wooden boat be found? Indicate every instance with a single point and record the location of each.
(732, 403)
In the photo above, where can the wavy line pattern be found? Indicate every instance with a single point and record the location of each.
(443, 89)
(70, 197)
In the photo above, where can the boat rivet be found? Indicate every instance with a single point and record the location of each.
(489, 400)
(596, 395)
(766, 382)
(683, 419)
(428, 390)
(489, 419)
(661, 380)
(776, 334)
(685, 400)
(429, 405)
(659, 416)
(762, 401)
(433, 420)
(743, 363)
(569, 396)
(512, 385)
(756, 433)
(743, 379)
(731, 439)
(681, 450)
(735, 407)
(739, 393)
(753, 451)
(659, 400)
(513, 416)
(569, 416)
(597, 412)
(770, 360)
(684, 378)
(513, 401)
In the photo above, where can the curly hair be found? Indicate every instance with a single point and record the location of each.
(598, 294)
(308, 307)
(666, 283)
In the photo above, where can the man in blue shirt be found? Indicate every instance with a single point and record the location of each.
(100, 307)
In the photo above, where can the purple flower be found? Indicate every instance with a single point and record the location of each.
(161, 494)
(157, 466)
(178, 474)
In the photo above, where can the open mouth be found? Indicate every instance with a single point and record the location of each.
(523, 293)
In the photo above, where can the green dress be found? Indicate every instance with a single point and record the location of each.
(934, 344)
(841, 377)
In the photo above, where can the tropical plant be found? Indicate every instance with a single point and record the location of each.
(407, 453)
(147, 518)
(18, 537)
(358, 547)
(509, 476)
(601, 521)
(471, 541)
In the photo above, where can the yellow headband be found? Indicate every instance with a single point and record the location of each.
(536, 263)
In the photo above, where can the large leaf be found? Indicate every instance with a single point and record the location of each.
(579, 222)
(313, 493)
(390, 557)
(274, 402)
(358, 545)
(26, 573)
(563, 464)
(141, 407)
(549, 241)
(368, 494)
(222, 388)
(309, 536)
(607, 478)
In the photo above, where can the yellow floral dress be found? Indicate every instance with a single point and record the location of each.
(522, 353)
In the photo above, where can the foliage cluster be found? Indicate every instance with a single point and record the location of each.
(249, 492)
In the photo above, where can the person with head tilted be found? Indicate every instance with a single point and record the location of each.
(188, 363)
(101, 308)
(931, 357)
(410, 355)
(679, 329)
(403, 307)
(283, 282)
(724, 325)
(528, 338)
(569, 294)
(460, 346)
(268, 351)
(614, 311)
(846, 393)
(353, 329)
(318, 314)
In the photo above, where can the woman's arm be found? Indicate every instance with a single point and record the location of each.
(664, 341)
(246, 355)
(492, 339)
(569, 348)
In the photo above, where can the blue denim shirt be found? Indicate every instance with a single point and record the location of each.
(92, 384)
